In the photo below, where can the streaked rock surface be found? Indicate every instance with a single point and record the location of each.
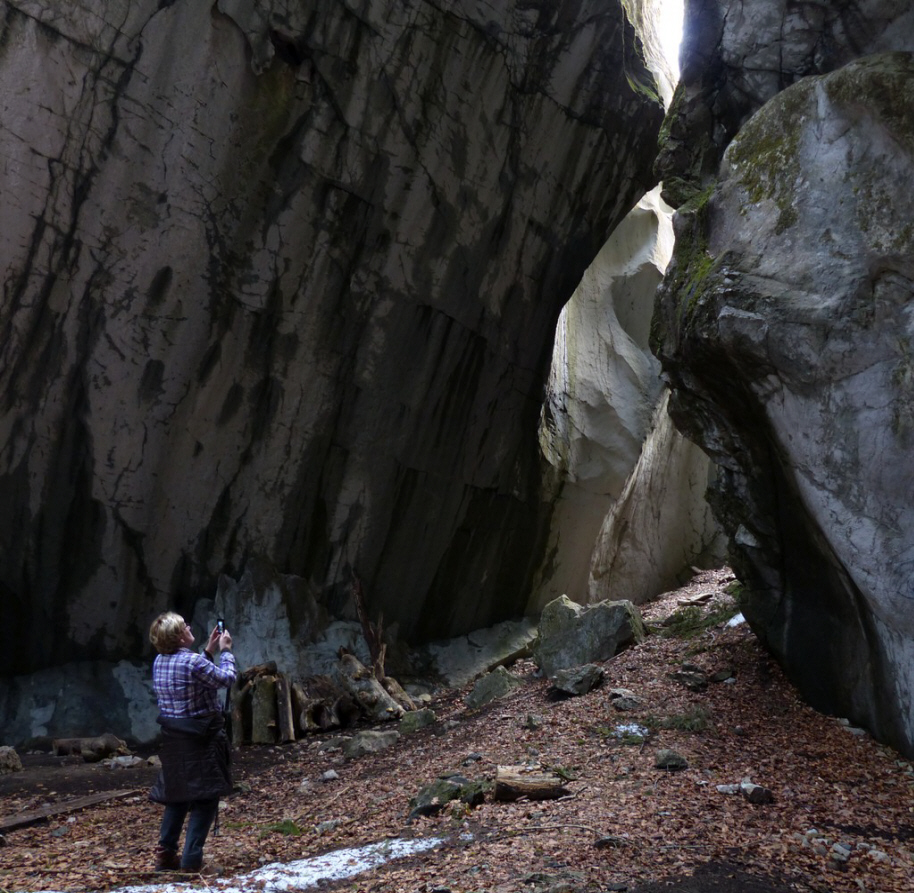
(280, 280)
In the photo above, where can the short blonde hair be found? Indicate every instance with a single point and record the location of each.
(166, 631)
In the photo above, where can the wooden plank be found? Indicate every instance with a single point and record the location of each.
(20, 820)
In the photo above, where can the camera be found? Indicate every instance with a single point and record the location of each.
(220, 625)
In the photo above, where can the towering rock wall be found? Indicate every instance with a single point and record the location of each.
(785, 328)
(281, 279)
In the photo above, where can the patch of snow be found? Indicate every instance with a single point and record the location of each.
(736, 621)
(631, 728)
(303, 873)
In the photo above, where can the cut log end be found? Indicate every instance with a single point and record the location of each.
(517, 782)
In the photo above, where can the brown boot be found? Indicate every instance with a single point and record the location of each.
(206, 868)
(167, 860)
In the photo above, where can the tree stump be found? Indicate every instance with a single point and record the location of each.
(515, 782)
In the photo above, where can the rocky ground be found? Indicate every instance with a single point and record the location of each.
(840, 817)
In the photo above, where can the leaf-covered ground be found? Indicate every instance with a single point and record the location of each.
(625, 824)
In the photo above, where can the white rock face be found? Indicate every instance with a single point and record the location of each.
(604, 389)
(661, 524)
(791, 352)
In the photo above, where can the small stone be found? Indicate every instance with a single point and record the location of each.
(728, 789)
(670, 760)
(840, 852)
(413, 720)
(755, 793)
(491, 686)
(532, 722)
(471, 758)
(330, 775)
(578, 680)
(622, 699)
(878, 856)
(368, 742)
(9, 760)
(693, 680)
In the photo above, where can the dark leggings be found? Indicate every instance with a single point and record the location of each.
(202, 813)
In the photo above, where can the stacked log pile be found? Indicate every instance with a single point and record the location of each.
(267, 707)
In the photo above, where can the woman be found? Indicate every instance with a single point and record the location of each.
(196, 758)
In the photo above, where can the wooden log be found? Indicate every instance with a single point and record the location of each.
(91, 749)
(22, 819)
(263, 711)
(366, 690)
(267, 669)
(241, 713)
(284, 709)
(398, 693)
(515, 782)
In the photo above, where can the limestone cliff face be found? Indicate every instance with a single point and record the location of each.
(737, 54)
(281, 279)
(628, 517)
(785, 326)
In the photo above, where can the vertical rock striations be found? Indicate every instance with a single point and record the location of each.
(281, 279)
(785, 327)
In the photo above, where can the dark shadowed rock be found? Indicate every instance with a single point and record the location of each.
(290, 292)
(578, 680)
(784, 326)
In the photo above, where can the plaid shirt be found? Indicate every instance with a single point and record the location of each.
(187, 683)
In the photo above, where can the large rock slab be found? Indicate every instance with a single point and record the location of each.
(785, 326)
(280, 280)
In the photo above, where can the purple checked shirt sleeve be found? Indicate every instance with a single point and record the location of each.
(187, 683)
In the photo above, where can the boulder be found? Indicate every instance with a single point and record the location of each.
(493, 685)
(461, 659)
(433, 797)
(9, 760)
(416, 719)
(671, 760)
(369, 741)
(735, 57)
(578, 680)
(783, 326)
(571, 635)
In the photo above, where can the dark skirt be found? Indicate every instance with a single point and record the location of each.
(196, 760)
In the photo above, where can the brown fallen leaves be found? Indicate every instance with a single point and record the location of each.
(624, 823)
